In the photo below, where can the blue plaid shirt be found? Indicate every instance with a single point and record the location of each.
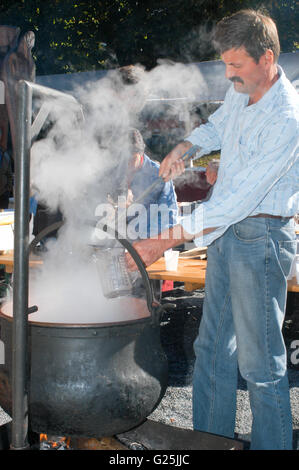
(259, 165)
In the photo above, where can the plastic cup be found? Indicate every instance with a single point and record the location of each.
(171, 260)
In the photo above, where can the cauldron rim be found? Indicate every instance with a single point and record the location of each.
(80, 325)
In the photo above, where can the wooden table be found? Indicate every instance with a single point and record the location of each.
(192, 272)
(7, 260)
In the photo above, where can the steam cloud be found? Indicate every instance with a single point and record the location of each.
(73, 168)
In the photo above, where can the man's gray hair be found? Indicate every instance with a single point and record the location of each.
(250, 29)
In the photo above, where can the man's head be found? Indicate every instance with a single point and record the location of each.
(249, 29)
(131, 74)
(130, 85)
(249, 46)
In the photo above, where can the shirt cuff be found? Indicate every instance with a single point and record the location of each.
(192, 222)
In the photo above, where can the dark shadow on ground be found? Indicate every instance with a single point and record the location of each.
(179, 329)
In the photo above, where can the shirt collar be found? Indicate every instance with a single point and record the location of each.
(267, 101)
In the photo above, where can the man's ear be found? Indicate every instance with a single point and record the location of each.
(267, 58)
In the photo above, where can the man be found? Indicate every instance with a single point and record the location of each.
(248, 225)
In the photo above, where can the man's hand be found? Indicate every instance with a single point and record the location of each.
(172, 165)
(212, 172)
(149, 251)
(152, 249)
(130, 198)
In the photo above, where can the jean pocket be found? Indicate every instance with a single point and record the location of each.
(250, 230)
(286, 254)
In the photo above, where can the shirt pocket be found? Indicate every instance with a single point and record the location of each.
(286, 254)
(246, 150)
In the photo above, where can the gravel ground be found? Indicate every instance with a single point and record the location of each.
(179, 328)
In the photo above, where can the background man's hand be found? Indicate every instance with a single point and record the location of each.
(212, 172)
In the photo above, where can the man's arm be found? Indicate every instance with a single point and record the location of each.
(207, 136)
(151, 249)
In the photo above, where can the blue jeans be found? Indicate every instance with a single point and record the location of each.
(244, 307)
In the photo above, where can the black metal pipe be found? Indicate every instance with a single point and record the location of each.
(21, 269)
(25, 91)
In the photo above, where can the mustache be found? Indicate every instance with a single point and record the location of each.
(236, 79)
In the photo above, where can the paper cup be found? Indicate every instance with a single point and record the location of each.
(171, 260)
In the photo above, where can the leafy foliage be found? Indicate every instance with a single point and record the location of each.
(78, 35)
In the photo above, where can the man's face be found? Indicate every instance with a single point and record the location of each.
(243, 71)
(135, 161)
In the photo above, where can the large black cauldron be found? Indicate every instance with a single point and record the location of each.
(91, 381)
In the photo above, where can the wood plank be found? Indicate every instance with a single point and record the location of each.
(192, 272)
(190, 286)
(189, 270)
(198, 252)
(293, 285)
(101, 443)
(7, 260)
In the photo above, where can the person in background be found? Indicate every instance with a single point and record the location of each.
(131, 87)
(6, 188)
(6, 179)
(248, 226)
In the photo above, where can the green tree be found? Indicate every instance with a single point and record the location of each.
(97, 34)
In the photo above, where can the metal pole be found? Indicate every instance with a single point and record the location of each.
(20, 363)
(21, 270)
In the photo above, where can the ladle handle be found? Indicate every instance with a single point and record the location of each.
(51, 228)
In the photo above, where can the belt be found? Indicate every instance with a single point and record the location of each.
(270, 216)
